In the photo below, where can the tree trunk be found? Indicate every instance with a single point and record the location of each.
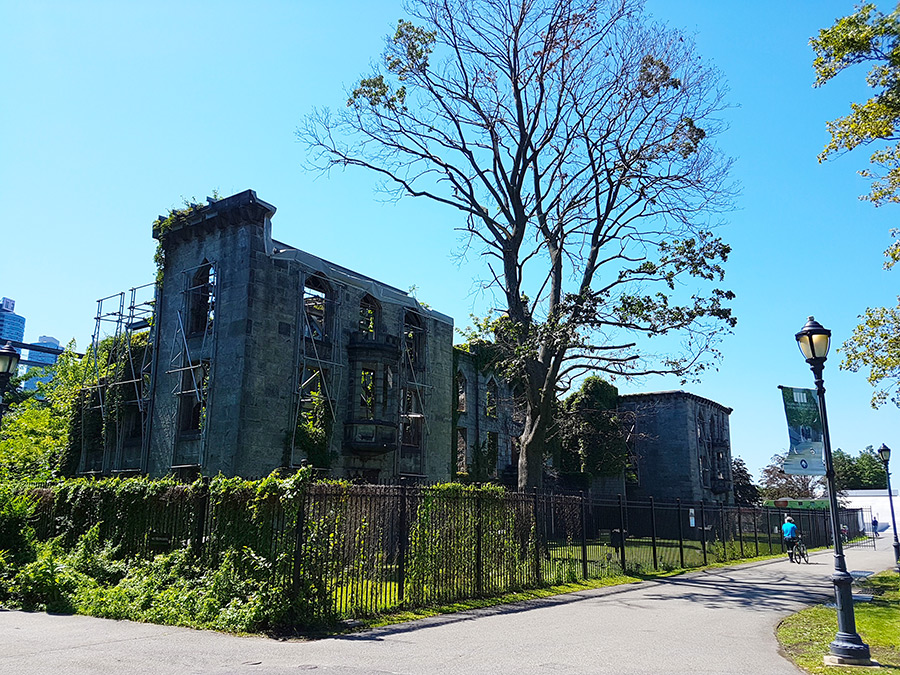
(531, 454)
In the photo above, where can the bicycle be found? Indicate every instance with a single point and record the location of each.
(799, 553)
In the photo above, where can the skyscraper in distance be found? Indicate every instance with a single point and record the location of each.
(12, 326)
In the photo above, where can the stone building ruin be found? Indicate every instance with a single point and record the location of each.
(251, 355)
(681, 447)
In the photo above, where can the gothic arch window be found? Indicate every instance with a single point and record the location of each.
(316, 293)
(369, 315)
(201, 298)
(490, 399)
(461, 385)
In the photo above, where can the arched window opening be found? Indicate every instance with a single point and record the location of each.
(201, 299)
(461, 385)
(192, 403)
(490, 399)
(367, 394)
(462, 450)
(414, 340)
(411, 420)
(315, 301)
(368, 317)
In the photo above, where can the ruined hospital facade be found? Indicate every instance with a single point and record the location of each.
(266, 356)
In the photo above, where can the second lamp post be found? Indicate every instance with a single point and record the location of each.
(885, 453)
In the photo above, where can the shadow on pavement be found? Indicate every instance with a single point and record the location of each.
(714, 589)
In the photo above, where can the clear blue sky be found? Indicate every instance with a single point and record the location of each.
(113, 111)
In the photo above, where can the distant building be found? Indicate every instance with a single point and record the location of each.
(12, 326)
(36, 359)
(681, 447)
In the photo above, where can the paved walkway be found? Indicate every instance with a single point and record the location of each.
(721, 621)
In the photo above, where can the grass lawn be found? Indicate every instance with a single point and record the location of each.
(805, 636)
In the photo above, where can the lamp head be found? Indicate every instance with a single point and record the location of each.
(885, 453)
(9, 359)
(814, 340)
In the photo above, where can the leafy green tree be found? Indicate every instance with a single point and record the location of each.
(846, 475)
(863, 472)
(592, 439)
(574, 139)
(746, 493)
(866, 37)
(872, 38)
(35, 431)
(874, 345)
(776, 483)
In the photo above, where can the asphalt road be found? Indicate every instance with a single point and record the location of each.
(721, 621)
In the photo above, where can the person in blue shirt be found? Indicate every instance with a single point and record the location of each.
(789, 532)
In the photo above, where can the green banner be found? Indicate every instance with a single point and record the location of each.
(806, 456)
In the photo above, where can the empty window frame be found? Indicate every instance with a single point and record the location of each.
(367, 394)
(493, 450)
(202, 299)
(368, 317)
(462, 450)
(411, 420)
(414, 340)
(315, 308)
(461, 385)
(490, 399)
(312, 391)
(192, 398)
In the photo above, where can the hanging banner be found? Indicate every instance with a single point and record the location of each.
(806, 456)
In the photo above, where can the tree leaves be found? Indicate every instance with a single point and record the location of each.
(866, 37)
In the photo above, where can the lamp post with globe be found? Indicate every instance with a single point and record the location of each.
(847, 648)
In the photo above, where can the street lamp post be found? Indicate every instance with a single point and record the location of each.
(847, 647)
(885, 453)
(9, 363)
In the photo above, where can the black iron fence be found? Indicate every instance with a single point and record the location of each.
(356, 550)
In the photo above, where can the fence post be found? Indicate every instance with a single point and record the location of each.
(653, 534)
(622, 533)
(404, 544)
(703, 531)
(680, 534)
(479, 533)
(740, 518)
(724, 528)
(298, 539)
(201, 509)
(537, 539)
(756, 529)
(584, 564)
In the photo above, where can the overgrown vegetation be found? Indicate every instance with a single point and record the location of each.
(286, 553)
(163, 224)
(34, 438)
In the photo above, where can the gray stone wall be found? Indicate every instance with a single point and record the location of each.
(261, 345)
(476, 387)
(682, 447)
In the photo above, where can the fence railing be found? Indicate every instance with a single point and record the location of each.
(359, 550)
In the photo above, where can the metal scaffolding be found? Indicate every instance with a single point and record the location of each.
(118, 381)
(195, 322)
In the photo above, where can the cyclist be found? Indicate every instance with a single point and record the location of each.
(789, 532)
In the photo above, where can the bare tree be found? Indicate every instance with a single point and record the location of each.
(574, 138)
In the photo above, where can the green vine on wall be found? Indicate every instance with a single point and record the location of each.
(165, 224)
